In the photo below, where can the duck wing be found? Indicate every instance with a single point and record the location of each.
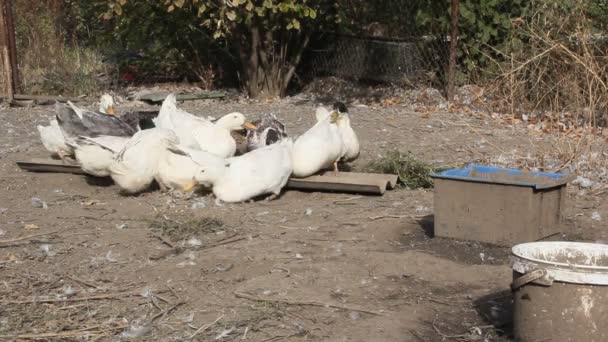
(91, 123)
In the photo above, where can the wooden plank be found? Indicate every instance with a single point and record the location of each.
(49, 165)
(363, 183)
(26, 97)
(160, 97)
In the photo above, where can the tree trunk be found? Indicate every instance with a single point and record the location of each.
(268, 67)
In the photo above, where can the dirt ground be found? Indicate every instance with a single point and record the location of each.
(97, 265)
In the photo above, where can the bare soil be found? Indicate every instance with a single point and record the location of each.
(91, 264)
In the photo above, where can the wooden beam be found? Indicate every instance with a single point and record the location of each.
(12, 45)
(45, 97)
(453, 52)
(7, 74)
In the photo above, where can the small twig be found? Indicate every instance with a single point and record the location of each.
(306, 303)
(373, 218)
(343, 201)
(276, 338)
(84, 282)
(165, 241)
(245, 333)
(548, 236)
(227, 241)
(63, 334)
(205, 327)
(166, 311)
(27, 237)
(438, 301)
(73, 299)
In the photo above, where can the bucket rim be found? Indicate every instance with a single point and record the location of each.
(515, 249)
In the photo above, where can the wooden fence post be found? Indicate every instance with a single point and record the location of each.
(453, 52)
(8, 49)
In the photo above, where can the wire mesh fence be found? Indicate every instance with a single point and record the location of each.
(58, 53)
(416, 61)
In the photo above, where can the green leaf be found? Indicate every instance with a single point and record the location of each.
(201, 9)
(312, 14)
(296, 24)
(231, 15)
(179, 3)
(268, 3)
(170, 8)
(249, 6)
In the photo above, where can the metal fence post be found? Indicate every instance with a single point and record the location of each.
(453, 46)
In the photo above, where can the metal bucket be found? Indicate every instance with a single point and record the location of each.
(560, 291)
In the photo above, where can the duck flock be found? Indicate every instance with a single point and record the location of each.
(181, 151)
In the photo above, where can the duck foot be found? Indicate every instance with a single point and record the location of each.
(336, 168)
(162, 187)
(67, 159)
(271, 198)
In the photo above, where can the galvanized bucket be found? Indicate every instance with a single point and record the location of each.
(560, 291)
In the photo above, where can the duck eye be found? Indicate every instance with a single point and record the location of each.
(202, 171)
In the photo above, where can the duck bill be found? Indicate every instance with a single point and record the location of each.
(110, 110)
(249, 125)
(334, 116)
(189, 186)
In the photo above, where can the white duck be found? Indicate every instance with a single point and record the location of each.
(136, 165)
(318, 148)
(96, 155)
(263, 171)
(180, 164)
(199, 133)
(53, 139)
(349, 137)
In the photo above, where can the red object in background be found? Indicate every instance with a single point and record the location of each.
(129, 74)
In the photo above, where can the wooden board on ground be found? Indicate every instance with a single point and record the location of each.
(364, 183)
(49, 165)
(155, 98)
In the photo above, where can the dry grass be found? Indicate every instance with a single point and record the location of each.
(48, 62)
(558, 74)
(413, 173)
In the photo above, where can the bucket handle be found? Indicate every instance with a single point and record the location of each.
(528, 278)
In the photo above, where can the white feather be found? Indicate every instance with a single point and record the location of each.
(317, 149)
(96, 155)
(262, 171)
(136, 165)
(52, 138)
(180, 164)
(199, 133)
